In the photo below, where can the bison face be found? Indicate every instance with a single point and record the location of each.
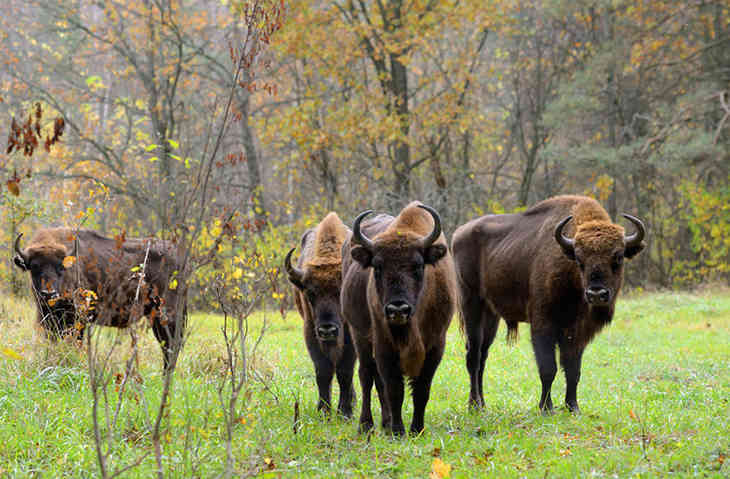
(320, 288)
(398, 267)
(598, 249)
(46, 269)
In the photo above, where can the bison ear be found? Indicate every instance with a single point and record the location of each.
(20, 263)
(434, 253)
(632, 251)
(361, 255)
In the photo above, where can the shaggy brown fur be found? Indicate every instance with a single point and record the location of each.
(398, 273)
(317, 281)
(103, 265)
(511, 266)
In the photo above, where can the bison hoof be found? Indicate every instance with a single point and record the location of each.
(547, 410)
(398, 430)
(573, 408)
(476, 405)
(365, 427)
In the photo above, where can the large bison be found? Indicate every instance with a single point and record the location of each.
(557, 266)
(398, 297)
(318, 278)
(102, 283)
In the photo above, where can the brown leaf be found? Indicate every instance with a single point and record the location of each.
(14, 186)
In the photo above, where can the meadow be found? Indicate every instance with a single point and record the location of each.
(654, 395)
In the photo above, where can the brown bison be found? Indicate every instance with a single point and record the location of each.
(318, 278)
(561, 276)
(398, 297)
(100, 283)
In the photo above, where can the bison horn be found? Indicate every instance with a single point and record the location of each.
(294, 272)
(18, 250)
(357, 235)
(436, 232)
(638, 236)
(568, 244)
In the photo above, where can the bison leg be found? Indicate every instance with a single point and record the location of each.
(421, 387)
(324, 370)
(543, 343)
(345, 371)
(367, 374)
(389, 369)
(570, 360)
(166, 336)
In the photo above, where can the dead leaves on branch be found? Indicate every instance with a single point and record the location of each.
(26, 137)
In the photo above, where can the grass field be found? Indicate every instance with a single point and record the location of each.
(655, 395)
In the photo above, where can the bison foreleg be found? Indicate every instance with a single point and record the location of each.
(421, 387)
(367, 373)
(389, 370)
(543, 343)
(570, 360)
(345, 371)
(325, 371)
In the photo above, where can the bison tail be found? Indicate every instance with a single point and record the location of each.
(512, 332)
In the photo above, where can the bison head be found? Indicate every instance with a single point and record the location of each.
(398, 263)
(599, 249)
(46, 266)
(319, 284)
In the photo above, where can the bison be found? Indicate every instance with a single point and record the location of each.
(398, 297)
(317, 279)
(102, 283)
(558, 266)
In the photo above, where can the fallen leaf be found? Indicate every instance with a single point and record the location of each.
(439, 469)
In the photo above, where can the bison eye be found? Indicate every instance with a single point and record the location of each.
(581, 264)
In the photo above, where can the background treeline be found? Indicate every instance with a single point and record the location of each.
(471, 106)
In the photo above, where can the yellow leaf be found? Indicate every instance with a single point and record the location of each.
(10, 353)
(237, 273)
(439, 469)
(173, 283)
(69, 261)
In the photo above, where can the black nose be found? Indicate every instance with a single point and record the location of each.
(398, 308)
(598, 295)
(327, 331)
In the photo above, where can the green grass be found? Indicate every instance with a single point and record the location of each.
(654, 395)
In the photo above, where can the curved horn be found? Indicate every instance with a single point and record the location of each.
(436, 232)
(568, 244)
(16, 245)
(357, 235)
(638, 236)
(294, 272)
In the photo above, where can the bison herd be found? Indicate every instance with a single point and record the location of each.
(384, 293)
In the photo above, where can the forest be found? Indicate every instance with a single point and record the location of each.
(471, 107)
(229, 127)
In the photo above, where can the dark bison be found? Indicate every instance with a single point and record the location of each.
(318, 278)
(561, 276)
(101, 284)
(398, 297)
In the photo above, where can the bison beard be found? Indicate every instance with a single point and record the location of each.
(317, 280)
(557, 266)
(100, 287)
(398, 297)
